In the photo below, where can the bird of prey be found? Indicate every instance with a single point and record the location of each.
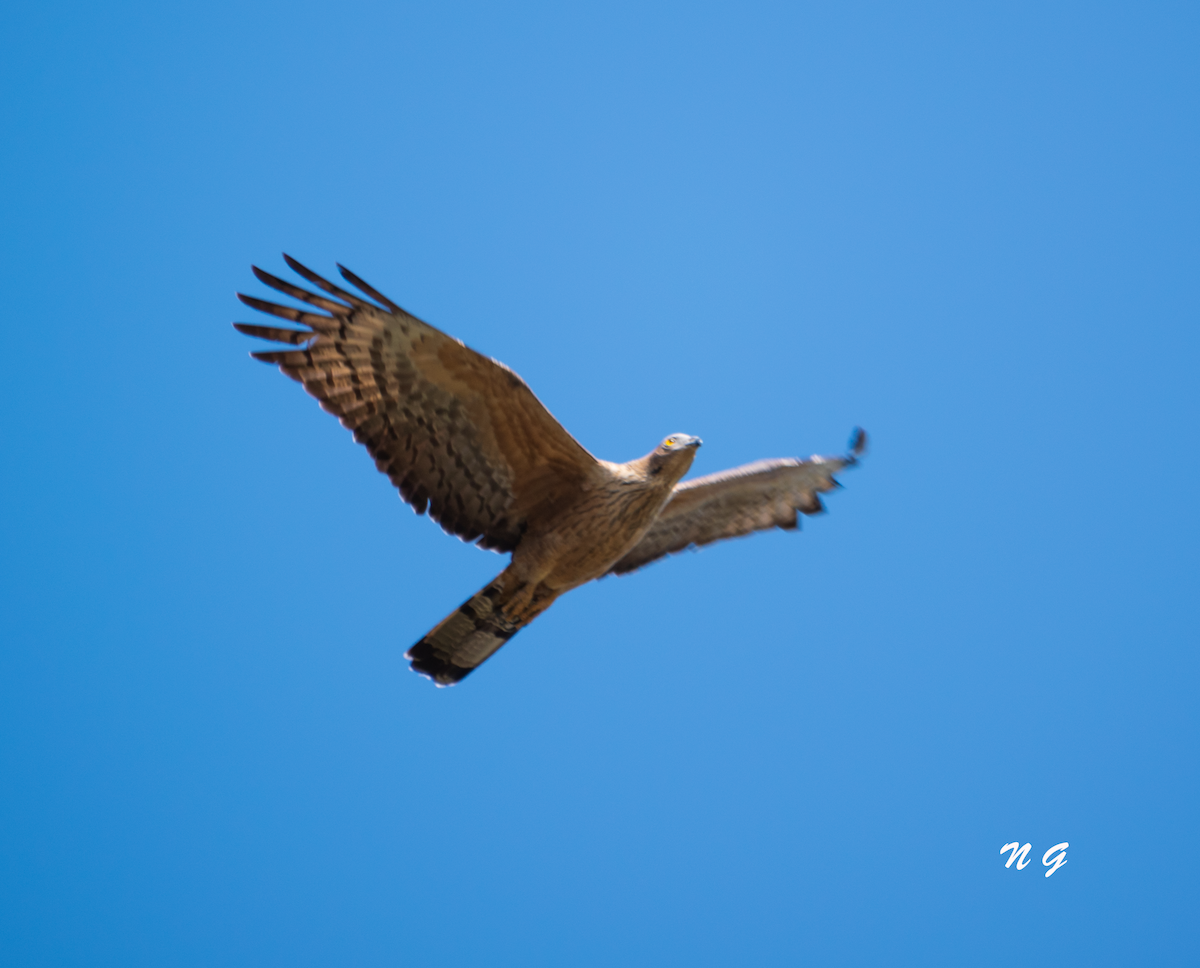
(464, 438)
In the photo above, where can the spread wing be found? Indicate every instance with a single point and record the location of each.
(456, 432)
(742, 500)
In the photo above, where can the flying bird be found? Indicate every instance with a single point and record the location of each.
(463, 437)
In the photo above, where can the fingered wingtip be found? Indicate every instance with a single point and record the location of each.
(365, 287)
(858, 442)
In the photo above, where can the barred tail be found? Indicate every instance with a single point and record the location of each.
(469, 635)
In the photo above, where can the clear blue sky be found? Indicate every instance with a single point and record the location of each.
(971, 228)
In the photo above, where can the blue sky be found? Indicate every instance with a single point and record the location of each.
(972, 229)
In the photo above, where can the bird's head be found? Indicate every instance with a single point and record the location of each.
(672, 458)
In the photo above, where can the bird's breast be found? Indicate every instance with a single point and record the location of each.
(599, 529)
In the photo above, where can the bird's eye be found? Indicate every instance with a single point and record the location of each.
(670, 441)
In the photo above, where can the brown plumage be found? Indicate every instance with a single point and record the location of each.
(462, 437)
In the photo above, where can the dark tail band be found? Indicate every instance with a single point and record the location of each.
(464, 639)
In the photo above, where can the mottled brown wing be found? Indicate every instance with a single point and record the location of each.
(456, 432)
(754, 497)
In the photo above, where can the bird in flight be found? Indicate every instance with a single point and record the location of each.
(463, 437)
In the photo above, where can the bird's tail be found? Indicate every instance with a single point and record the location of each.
(468, 636)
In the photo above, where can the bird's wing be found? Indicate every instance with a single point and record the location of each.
(457, 433)
(742, 500)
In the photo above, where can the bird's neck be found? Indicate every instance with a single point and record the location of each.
(659, 472)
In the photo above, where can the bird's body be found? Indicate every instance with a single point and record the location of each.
(609, 516)
(582, 542)
(462, 436)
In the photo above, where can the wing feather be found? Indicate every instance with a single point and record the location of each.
(286, 312)
(322, 283)
(754, 497)
(280, 285)
(274, 333)
(457, 433)
(371, 291)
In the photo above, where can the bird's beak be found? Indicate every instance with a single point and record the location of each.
(695, 442)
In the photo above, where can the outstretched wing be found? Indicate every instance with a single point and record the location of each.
(742, 500)
(456, 432)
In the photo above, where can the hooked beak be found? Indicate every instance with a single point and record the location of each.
(695, 442)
